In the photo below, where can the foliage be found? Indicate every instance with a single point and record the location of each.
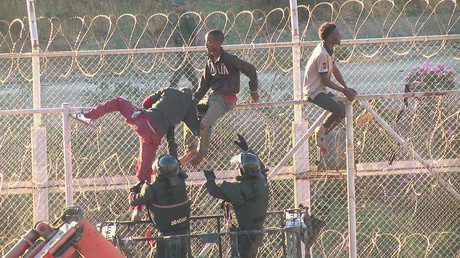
(430, 77)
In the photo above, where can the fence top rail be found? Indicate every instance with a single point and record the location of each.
(257, 105)
(229, 47)
(219, 216)
(293, 229)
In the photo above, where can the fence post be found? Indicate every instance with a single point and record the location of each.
(35, 61)
(351, 181)
(301, 158)
(67, 154)
(39, 151)
(40, 174)
(296, 52)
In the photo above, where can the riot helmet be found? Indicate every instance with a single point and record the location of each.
(247, 162)
(166, 166)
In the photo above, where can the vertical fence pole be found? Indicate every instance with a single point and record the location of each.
(351, 181)
(35, 60)
(39, 149)
(301, 158)
(67, 154)
(296, 52)
(39, 174)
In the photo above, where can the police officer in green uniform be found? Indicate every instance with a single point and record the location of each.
(184, 35)
(167, 201)
(248, 196)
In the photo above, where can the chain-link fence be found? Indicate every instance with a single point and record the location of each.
(401, 207)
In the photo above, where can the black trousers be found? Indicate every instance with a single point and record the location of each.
(248, 244)
(168, 247)
(326, 101)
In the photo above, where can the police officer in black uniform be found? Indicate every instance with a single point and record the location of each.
(183, 36)
(167, 201)
(248, 196)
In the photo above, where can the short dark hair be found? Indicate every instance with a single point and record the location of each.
(325, 29)
(217, 35)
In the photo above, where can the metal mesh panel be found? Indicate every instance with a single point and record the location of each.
(401, 208)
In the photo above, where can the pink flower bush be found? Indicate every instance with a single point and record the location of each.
(428, 77)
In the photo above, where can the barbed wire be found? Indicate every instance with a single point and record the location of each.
(382, 19)
(86, 60)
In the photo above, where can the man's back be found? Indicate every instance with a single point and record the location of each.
(171, 107)
(170, 206)
(249, 198)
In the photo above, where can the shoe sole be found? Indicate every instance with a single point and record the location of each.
(80, 121)
(184, 160)
(196, 161)
(319, 145)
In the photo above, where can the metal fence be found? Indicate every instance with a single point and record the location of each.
(401, 206)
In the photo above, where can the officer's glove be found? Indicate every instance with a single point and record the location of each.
(241, 143)
(182, 174)
(209, 174)
(137, 187)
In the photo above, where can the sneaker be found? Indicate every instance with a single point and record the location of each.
(136, 215)
(318, 137)
(187, 157)
(80, 117)
(196, 161)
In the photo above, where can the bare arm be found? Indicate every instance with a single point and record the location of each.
(348, 92)
(338, 76)
(326, 81)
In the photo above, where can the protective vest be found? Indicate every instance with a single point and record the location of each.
(250, 201)
(171, 207)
